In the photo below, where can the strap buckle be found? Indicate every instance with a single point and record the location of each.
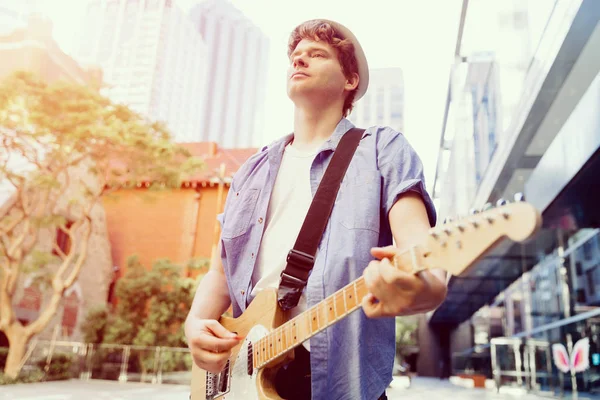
(300, 259)
(291, 281)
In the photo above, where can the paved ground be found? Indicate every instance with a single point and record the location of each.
(421, 388)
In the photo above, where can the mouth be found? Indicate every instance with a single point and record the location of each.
(298, 74)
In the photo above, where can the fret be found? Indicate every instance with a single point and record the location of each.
(314, 324)
(345, 303)
(255, 352)
(295, 326)
(271, 346)
(285, 336)
(318, 319)
(333, 315)
(355, 292)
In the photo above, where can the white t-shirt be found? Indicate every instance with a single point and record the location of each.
(288, 206)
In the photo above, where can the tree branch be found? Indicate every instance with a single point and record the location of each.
(6, 310)
(19, 240)
(82, 254)
(45, 316)
(13, 225)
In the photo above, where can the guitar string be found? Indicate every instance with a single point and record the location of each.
(239, 368)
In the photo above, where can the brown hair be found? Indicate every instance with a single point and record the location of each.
(322, 31)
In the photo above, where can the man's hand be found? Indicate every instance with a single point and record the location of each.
(394, 292)
(210, 343)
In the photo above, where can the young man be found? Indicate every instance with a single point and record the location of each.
(382, 196)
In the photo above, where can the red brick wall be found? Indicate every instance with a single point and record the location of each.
(177, 224)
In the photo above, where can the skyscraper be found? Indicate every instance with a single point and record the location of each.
(153, 60)
(383, 104)
(234, 96)
(14, 14)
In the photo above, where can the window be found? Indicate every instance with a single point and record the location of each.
(380, 104)
(63, 242)
(588, 250)
(397, 102)
(590, 282)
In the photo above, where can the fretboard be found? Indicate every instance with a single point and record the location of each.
(309, 323)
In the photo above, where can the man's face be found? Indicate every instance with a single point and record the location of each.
(314, 70)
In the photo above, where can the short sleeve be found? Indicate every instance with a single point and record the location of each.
(402, 171)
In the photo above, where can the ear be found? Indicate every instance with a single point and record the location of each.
(352, 82)
(580, 359)
(561, 358)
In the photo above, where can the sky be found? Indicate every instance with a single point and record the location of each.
(417, 36)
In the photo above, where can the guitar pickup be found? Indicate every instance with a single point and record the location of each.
(224, 379)
(250, 359)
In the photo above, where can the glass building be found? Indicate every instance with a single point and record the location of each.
(523, 116)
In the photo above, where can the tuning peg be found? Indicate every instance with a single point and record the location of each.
(501, 202)
(519, 197)
(473, 211)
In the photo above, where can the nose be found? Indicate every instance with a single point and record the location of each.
(299, 61)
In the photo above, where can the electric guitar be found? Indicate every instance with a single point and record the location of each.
(269, 337)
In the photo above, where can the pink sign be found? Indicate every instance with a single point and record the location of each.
(579, 360)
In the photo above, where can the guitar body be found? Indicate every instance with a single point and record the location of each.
(237, 381)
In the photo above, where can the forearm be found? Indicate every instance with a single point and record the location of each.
(434, 292)
(212, 297)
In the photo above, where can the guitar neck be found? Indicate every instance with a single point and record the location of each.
(309, 323)
(454, 246)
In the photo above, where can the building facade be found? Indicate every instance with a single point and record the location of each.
(14, 14)
(522, 116)
(234, 97)
(153, 60)
(180, 225)
(383, 103)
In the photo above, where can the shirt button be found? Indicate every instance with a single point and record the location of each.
(243, 292)
(252, 254)
(260, 220)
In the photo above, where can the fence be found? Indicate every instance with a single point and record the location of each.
(124, 363)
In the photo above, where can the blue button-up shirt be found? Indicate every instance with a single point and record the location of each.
(352, 359)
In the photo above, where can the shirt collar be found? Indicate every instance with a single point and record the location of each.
(275, 150)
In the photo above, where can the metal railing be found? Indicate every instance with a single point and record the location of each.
(123, 363)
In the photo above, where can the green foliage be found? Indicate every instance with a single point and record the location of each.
(199, 264)
(406, 330)
(35, 375)
(151, 309)
(94, 324)
(60, 368)
(152, 305)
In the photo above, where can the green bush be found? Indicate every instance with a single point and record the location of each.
(60, 368)
(31, 376)
(94, 324)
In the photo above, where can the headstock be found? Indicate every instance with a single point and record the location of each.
(457, 244)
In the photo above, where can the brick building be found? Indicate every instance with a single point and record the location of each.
(174, 224)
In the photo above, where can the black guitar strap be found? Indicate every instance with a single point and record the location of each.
(301, 258)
